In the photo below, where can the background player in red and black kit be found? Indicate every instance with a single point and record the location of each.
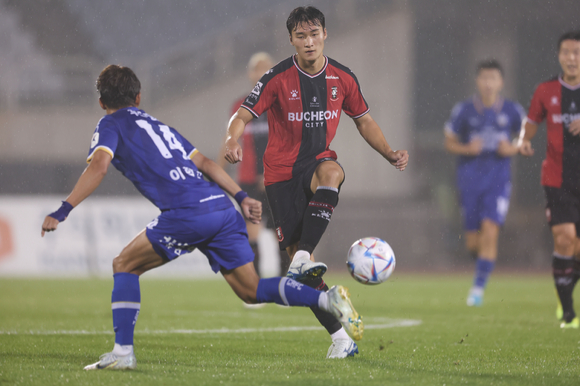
(304, 96)
(250, 173)
(558, 101)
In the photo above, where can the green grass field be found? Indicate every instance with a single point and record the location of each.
(186, 335)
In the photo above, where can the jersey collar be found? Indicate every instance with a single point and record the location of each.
(478, 104)
(307, 74)
(568, 86)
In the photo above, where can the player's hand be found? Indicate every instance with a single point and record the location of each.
(233, 151)
(50, 224)
(474, 147)
(506, 149)
(526, 148)
(574, 128)
(398, 158)
(252, 210)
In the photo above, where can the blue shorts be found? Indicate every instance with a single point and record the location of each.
(478, 204)
(221, 236)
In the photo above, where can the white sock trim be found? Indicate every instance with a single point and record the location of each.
(323, 302)
(301, 255)
(122, 350)
(559, 256)
(328, 188)
(339, 335)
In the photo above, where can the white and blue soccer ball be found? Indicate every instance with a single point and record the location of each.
(370, 260)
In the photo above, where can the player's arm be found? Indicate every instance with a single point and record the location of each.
(87, 183)
(528, 131)
(251, 208)
(372, 134)
(236, 126)
(454, 146)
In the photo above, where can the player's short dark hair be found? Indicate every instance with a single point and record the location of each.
(308, 15)
(570, 35)
(489, 64)
(118, 86)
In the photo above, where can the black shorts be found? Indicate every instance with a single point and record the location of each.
(256, 193)
(288, 201)
(563, 206)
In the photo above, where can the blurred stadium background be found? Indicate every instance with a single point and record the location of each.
(414, 60)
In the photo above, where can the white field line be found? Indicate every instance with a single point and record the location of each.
(394, 323)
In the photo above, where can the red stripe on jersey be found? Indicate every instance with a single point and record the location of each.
(546, 104)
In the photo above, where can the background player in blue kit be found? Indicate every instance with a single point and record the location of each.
(479, 132)
(195, 213)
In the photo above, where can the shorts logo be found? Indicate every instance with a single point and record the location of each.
(334, 93)
(548, 215)
(280, 234)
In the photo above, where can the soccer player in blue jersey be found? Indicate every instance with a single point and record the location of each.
(480, 133)
(195, 213)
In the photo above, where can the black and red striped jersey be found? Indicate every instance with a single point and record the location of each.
(558, 103)
(303, 113)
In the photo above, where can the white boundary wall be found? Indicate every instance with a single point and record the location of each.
(86, 243)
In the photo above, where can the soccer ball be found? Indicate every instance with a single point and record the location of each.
(370, 260)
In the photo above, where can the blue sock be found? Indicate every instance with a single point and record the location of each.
(483, 269)
(286, 291)
(126, 303)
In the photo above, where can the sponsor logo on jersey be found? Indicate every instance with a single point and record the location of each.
(257, 88)
(334, 93)
(95, 140)
(502, 119)
(566, 119)
(331, 77)
(314, 103)
(313, 118)
(294, 95)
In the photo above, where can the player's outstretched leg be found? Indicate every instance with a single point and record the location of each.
(485, 262)
(126, 303)
(286, 291)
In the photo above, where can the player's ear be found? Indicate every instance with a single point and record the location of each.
(138, 100)
(325, 35)
(102, 104)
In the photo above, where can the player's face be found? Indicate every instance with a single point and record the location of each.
(569, 57)
(489, 83)
(308, 40)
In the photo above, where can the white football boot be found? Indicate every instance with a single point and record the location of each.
(340, 306)
(342, 348)
(112, 361)
(301, 269)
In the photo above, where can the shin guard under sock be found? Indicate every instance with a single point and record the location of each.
(317, 216)
(327, 320)
(563, 271)
(126, 303)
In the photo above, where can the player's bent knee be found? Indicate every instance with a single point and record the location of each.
(563, 241)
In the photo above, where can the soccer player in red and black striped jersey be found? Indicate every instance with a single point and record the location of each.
(558, 102)
(304, 96)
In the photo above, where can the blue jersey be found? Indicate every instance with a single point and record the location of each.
(157, 160)
(470, 120)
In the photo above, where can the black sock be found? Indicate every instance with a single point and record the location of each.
(576, 276)
(284, 263)
(256, 250)
(317, 216)
(327, 320)
(563, 270)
